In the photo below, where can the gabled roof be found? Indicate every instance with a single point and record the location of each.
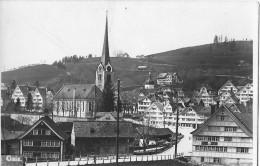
(107, 117)
(12, 125)
(158, 105)
(51, 124)
(226, 84)
(104, 129)
(244, 120)
(8, 135)
(82, 91)
(243, 88)
(42, 91)
(26, 89)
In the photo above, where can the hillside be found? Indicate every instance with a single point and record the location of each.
(186, 61)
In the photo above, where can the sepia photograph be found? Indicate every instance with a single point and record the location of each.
(129, 83)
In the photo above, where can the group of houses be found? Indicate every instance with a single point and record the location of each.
(222, 120)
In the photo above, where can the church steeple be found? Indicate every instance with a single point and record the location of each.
(105, 59)
(104, 71)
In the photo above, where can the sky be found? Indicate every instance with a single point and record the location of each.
(44, 31)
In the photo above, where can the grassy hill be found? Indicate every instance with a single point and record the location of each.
(218, 60)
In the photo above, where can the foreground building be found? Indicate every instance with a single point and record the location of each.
(99, 137)
(44, 140)
(226, 138)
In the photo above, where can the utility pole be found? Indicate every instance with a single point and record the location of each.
(117, 131)
(177, 125)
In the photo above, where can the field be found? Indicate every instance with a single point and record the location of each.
(218, 59)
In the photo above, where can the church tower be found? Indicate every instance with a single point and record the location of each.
(104, 70)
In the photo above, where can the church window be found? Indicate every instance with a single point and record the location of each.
(99, 68)
(109, 68)
(99, 77)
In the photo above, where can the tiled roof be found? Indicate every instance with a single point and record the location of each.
(159, 105)
(12, 125)
(65, 126)
(53, 126)
(42, 91)
(197, 108)
(82, 91)
(114, 114)
(26, 89)
(246, 119)
(8, 135)
(97, 129)
(152, 131)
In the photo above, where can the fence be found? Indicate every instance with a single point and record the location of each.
(103, 160)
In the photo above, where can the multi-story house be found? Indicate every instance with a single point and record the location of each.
(77, 100)
(44, 140)
(158, 114)
(226, 138)
(144, 102)
(21, 92)
(227, 97)
(168, 78)
(245, 93)
(228, 86)
(40, 95)
(206, 94)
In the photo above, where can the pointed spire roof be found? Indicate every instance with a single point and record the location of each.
(105, 59)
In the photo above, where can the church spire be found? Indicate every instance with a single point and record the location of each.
(105, 59)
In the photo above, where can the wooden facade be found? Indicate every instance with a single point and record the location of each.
(43, 140)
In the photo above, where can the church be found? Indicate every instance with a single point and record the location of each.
(81, 100)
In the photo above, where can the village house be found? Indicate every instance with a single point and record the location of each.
(77, 100)
(40, 95)
(99, 137)
(43, 140)
(228, 86)
(226, 97)
(226, 138)
(245, 93)
(206, 94)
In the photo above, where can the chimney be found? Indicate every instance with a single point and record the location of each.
(74, 101)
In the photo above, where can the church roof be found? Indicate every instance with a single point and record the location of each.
(82, 91)
(105, 59)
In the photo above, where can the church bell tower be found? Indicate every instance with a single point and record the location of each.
(104, 70)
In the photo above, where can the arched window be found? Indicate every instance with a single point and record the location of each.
(109, 69)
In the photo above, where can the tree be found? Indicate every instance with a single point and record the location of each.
(90, 56)
(108, 97)
(13, 86)
(18, 104)
(37, 84)
(29, 102)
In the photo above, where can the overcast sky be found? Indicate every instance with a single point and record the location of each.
(33, 32)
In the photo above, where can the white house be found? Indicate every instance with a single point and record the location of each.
(245, 93)
(226, 138)
(228, 86)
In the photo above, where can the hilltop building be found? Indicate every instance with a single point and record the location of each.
(104, 70)
(168, 78)
(226, 138)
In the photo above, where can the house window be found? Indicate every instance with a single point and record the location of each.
(227, 138)
(245, 139)
(57, 143)
(242, 150)
(27, 143)
(35, 132)
(233, 129)
(216, 160)
(202, 159)
(28, 154)
(43, 143)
